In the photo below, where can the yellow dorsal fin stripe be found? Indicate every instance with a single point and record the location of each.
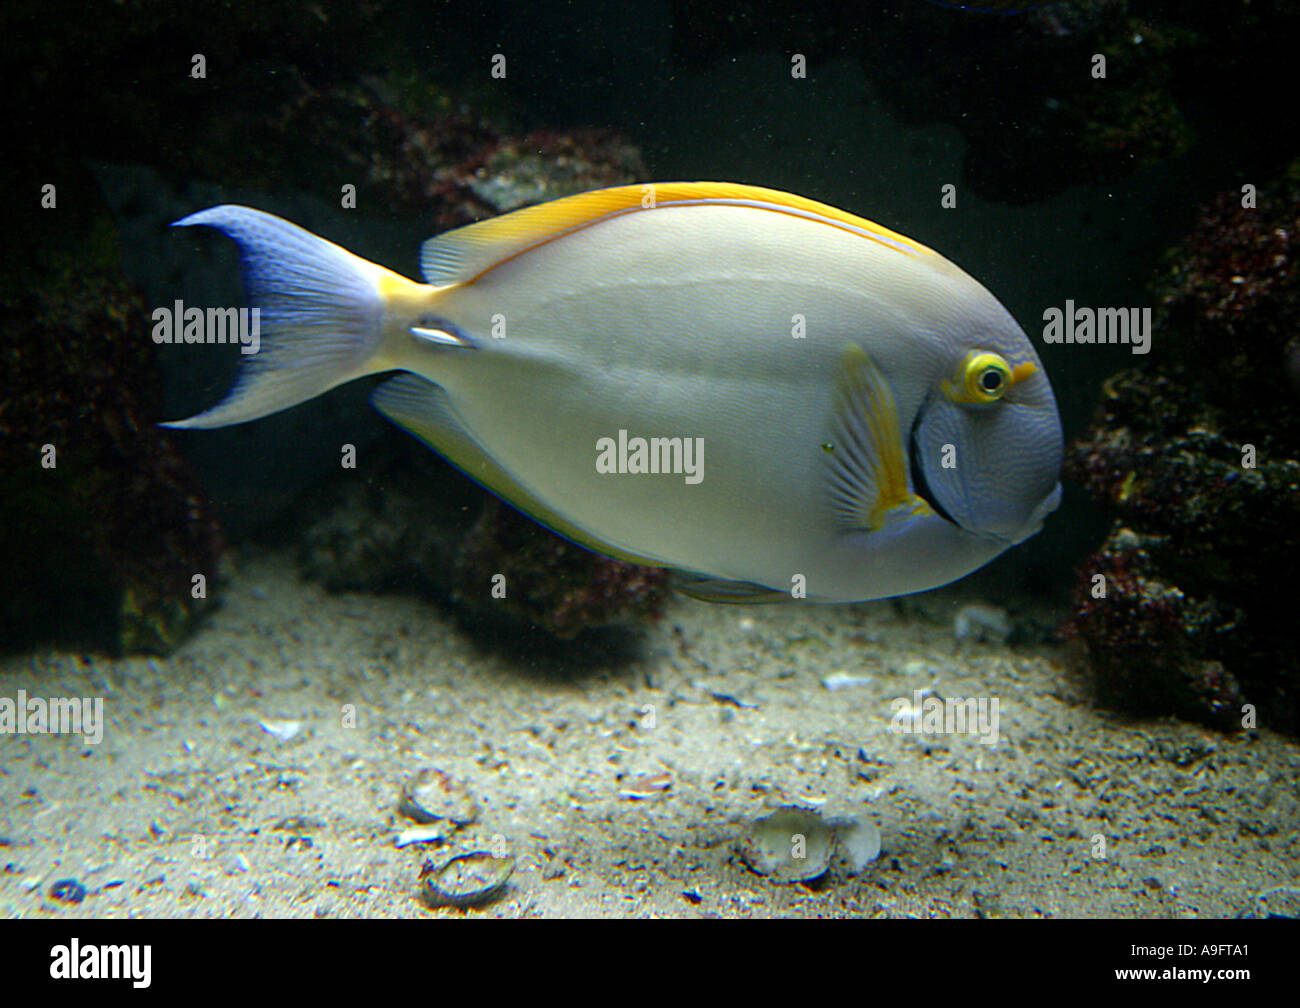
(465, 254)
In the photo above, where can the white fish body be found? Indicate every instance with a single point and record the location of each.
(816, 364)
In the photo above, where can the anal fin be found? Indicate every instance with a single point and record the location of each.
(425, 410)
(713, 589)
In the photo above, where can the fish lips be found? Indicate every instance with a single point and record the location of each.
(1036, 518)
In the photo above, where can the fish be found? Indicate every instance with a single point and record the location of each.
(773, 398)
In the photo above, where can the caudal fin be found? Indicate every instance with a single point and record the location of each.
(321, 313)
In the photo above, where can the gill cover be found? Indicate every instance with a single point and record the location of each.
(987, 446)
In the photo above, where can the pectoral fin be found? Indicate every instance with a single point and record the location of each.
(867, 467)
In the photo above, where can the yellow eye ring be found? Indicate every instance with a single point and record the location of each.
(984, 377)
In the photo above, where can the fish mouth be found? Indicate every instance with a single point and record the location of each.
(1033, 525)
(1039, 515)
(921, 487)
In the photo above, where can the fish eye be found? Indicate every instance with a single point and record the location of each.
(985, 377)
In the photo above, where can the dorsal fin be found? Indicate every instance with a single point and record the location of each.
(465, 254)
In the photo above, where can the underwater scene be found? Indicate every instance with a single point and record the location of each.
(773, 459)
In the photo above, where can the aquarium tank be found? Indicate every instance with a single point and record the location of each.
(773, 459)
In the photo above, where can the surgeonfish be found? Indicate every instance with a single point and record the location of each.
(771, 396)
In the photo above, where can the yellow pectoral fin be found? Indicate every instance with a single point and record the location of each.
(912, 507)
(868, 481)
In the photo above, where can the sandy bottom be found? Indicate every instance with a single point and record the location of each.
(716, 715)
